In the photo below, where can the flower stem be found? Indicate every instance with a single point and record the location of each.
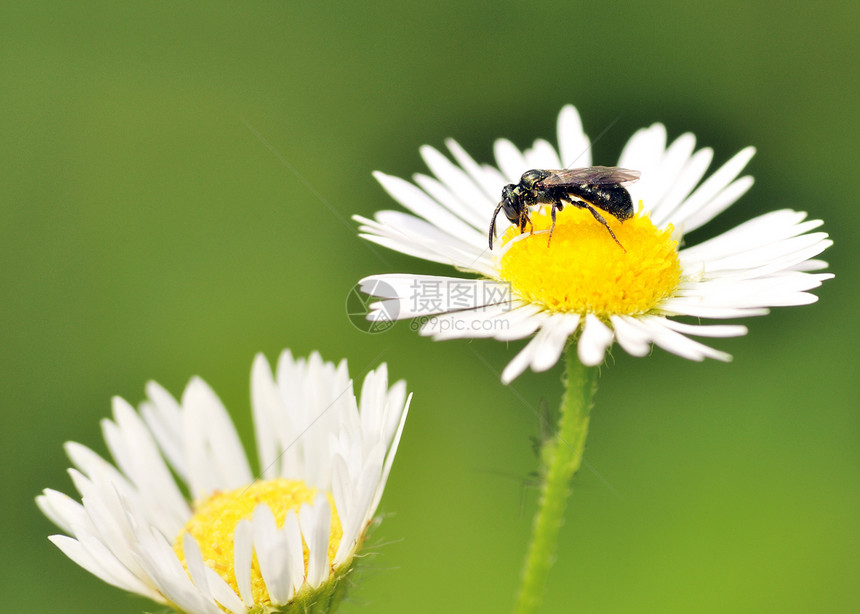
(561, 457)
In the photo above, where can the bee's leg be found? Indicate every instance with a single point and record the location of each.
(558, 206)
(600, 219)
(524, 217)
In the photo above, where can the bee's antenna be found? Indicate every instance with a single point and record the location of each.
(493, 224)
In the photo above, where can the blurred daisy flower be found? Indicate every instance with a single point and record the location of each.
(278, 543)
(584, 284)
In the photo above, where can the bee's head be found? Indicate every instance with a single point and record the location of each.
(513, 207)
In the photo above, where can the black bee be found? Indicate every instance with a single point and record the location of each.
(586, 188)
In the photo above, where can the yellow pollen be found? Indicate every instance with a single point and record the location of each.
(584, 271)
(214, 523)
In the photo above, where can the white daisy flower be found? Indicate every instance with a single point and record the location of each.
(583, 284)
(275, 543)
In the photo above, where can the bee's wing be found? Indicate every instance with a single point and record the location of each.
(595, 175)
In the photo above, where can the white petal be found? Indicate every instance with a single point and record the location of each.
(698, 201)
(415, 237)
(217, 459)
(520, 321)
(469, 223)
(163, 566)
(270, 546)
(491, 182)
(61, 509)
(718, 204)
(812, 265)
(596, 337)
(470, 195)
(543, 351)
(294, 554)
(485, 322)
(138, 456)
(266, 406)
(511, 162)
(315, 522)
(631, 338)
(676, 343)
(243, 553)
(223, 593)
(644, 150)
(386, 470)
(102, 564)
(365, 489)
(655, 185)
(397, 399)
(107, 516)
(448, 216)
(412, 296)
(163, 416)
(73, 549)
(113, 518)
(90, 463)
(344, 497)
(762, 261)
(558, 330)
(696, 307)
(767, 229)
(573, 144)
(725, 330)
(520, 363)
(206, 580)
(777, 291)
(693, 171)
(114, 556)
(373, 395)
(542, 155)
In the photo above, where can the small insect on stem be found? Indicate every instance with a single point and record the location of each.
(591, 188)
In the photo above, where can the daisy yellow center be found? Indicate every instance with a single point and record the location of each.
(585, 271)
(214, 523)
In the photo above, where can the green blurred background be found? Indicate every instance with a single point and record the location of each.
(177, 185)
